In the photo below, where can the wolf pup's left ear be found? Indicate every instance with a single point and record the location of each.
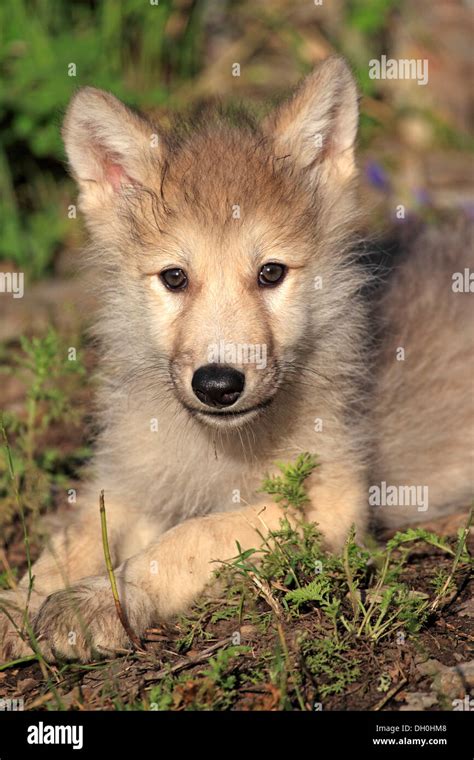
(317, 127)
(109, 147)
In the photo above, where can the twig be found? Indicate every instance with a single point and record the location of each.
(108, 561)
(456, 630)
(40, 701)
(265, 591)
(188, 663)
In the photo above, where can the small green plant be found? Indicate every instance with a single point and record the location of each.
(220, 671)
(212, 688)
(288, 489)
(385, 681)
(355, 595)
(330, 662)
(161, 696)
(315, 618)
(49, 371)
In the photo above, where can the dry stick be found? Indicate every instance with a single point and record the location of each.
(265, 591)
(108, 561)
(188, 663)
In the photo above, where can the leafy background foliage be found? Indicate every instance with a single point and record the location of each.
(161, 56)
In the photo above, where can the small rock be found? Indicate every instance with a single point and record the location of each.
(418, 700)
(449, 682)
(430, 667)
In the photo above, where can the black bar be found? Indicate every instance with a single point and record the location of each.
(119, 734)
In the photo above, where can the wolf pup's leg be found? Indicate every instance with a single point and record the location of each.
(166, 578)
(74, 552)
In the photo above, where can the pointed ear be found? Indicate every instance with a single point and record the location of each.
(109, 147)
(317, 128)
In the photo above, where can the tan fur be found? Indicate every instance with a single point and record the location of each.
(151, 204)
(424, 405)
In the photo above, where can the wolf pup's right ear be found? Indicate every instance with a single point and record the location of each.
(110, 148)
(316, 129)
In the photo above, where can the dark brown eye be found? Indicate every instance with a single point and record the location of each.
(174, 279)
(271, 274)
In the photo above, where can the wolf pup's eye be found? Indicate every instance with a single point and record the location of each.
(174, 279)
(271, 274)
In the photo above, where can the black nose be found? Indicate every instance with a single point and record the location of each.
(218, 384)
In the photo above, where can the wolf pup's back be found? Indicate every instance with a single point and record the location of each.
(424, 401)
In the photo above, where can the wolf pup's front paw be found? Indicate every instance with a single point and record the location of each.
(81, 622)
(15, 626)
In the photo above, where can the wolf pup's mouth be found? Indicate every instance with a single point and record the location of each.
(227, 416)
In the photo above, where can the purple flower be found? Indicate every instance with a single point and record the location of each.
(377, 176)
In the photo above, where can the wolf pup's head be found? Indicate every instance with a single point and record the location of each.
(221, 245)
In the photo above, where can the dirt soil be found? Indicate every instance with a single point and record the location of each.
(425, 672)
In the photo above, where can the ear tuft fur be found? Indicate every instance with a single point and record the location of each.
(317, 127)
(106, 142)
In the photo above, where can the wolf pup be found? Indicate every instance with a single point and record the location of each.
(234, 332)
